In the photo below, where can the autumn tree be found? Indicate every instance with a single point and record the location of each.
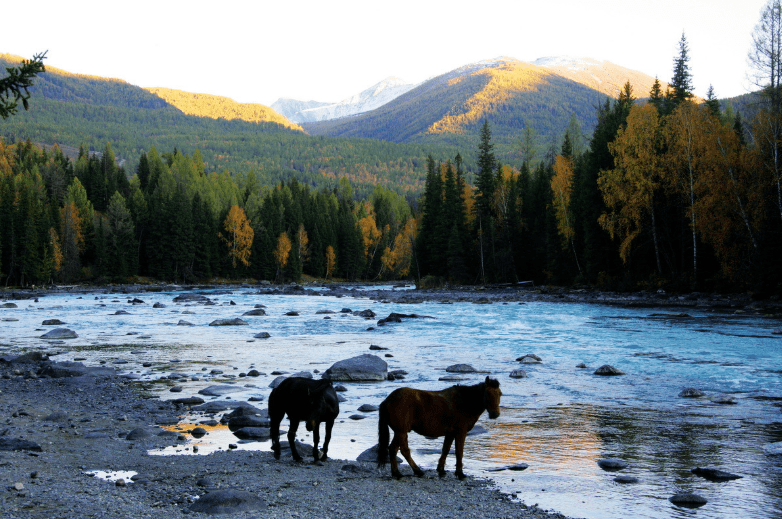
(238, 236)
(331, 261)
(72, 241)
(629, 189)
(562, 189)
(282, 252)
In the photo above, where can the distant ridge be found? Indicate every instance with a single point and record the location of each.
(373, 97)
(217, 107)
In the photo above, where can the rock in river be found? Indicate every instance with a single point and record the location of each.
(360, 368)
(228, 322)
(60, 333)
(607, 370)
(688, 500)
(714, 474)
(691, 392)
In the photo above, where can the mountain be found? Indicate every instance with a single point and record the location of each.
(603, 76)
(371, 98)
(509, 93)
(216, 107)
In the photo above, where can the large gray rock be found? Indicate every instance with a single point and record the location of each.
(253, 433)
(18, 444)
(67, 369)
(191, 298)
(366, 367)
(256, 311)
(60, 333)
(688, 500)
(228, 502)
(228, 322)
(607, 370)
(460, 368)
(219, 390)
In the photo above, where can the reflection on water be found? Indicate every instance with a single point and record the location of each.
(562, 446)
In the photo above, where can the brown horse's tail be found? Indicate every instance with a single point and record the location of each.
(382, 435)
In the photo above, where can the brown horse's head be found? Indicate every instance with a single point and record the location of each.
(491, 397)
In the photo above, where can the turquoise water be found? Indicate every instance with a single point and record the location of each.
(559, 419)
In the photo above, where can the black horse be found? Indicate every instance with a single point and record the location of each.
(303, 399)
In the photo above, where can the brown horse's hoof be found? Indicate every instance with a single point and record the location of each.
(396, 475)
(441, 473)
(461, 475)
(419, 473)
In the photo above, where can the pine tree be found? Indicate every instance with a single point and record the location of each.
(680, 89)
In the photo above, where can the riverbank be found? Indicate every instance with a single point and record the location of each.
(54, 431)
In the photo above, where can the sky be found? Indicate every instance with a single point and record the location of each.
(259, 51)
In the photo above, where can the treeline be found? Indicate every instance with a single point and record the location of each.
(86, 221)
(670, 193)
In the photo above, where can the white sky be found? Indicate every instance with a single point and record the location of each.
(327, 50)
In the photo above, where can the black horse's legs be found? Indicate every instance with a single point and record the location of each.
(459, 451)
(292, 438)
(275, 433)
(446, 449)
(405, 448)
(315, 441)
(329, 426)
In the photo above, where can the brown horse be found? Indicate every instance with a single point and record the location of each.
(451, 413)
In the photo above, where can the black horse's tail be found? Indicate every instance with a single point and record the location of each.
(382, 435)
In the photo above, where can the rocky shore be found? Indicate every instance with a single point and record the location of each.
(57, 428)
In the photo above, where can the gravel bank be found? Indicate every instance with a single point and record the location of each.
(80, 424)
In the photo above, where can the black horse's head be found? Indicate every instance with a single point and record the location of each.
(491, 397)
(321, 400)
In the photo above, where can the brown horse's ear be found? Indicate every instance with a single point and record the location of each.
(492, 382)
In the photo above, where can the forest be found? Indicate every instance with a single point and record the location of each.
(671, 192)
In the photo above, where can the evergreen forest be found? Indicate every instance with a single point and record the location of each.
(670, 192)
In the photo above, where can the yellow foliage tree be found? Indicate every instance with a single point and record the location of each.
(628, 189)
(562, 190)
(331, 261)
(370, 235)
(239, 236)
(282, 251)
(398, 260)
(303, 243)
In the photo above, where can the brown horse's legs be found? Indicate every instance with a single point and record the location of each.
(292, 438)
(393, 448)
(446, 449)
(329, 426)
(405, 448)
(459, 451)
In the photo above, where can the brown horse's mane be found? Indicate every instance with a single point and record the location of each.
(471, 397)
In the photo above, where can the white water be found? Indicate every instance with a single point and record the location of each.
(559, 420)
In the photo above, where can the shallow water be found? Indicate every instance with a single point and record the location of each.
(559, 420)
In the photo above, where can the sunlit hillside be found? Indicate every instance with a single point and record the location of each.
(216, 107)
(503, 83)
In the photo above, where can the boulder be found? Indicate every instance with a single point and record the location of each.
(255, 311)
(60, 333)
(190, 400)
(460, 368)
(198, 432)
(607, 370)
(688, 500)
(714, 474)
(394, 317)
(367, 408)
(158, 305)
(611, 464)
(253, 433)
(366, 367)
(52, 322)
(219, 390)
(691, 392)
(724, 400)
(18, 444)
(518, 373)
(228, 502)
(365, 313)
(191, 298)
(530, 358)
(138, 434)
(262, 335)
(625, 480)
(182, 322)
(277, 381)
(68, 369)
(228, 322)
